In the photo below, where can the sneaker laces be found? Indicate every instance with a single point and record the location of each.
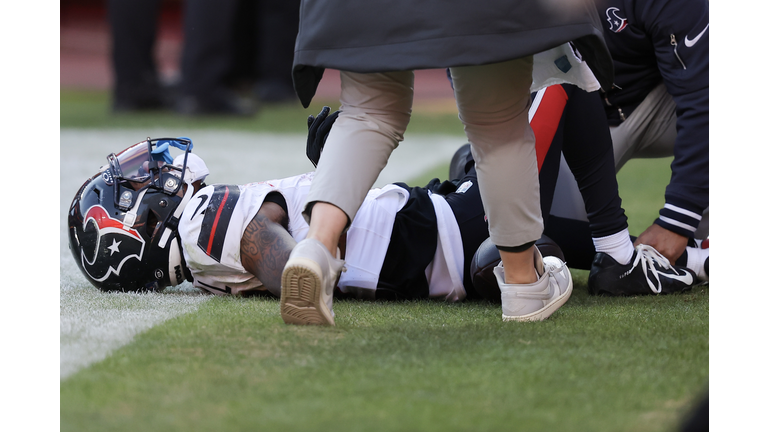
(648, 256)
(552, 269)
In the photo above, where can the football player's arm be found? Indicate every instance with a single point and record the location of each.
(266, 245)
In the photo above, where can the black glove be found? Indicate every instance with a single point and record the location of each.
(442, 188)
(319, 127)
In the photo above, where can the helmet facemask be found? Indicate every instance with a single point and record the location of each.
(150, 163)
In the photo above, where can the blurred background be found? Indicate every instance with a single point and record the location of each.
(194, 57)
(86, 45)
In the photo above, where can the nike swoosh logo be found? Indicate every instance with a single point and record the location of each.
(687, 278)
(691, 42)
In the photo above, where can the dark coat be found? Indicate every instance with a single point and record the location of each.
(392, 35)
(655, 41)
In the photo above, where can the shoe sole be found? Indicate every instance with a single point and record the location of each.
(546, 311)
(301, 295)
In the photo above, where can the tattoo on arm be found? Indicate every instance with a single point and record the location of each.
(264, 250)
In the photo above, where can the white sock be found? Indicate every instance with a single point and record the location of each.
(619, 246)
(696, 258)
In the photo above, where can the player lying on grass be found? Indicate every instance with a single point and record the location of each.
(147, 221)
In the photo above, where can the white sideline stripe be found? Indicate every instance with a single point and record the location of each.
(94, 324)
(240, 157)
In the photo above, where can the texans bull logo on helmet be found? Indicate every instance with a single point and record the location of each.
(115, 244)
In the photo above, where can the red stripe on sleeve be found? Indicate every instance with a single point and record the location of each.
(216, 220)
(546, 118)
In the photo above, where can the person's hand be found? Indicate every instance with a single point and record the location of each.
(319, 127)
(668, 243)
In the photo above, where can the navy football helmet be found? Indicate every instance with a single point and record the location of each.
(123, 221)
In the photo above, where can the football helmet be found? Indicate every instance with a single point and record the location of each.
(123, 221)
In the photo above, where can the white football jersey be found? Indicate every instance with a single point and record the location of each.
(212, 225)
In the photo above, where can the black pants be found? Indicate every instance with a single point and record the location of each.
(584, 139)
(134, 31)
(414, 236)
(230, 40)
(582, 136)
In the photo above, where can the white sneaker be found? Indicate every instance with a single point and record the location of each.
(309, 277)
(538, 300)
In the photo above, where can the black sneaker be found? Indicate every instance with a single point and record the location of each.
(648, 272)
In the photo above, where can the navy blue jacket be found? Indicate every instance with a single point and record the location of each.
(654, 41)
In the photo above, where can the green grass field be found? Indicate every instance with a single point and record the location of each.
(598, 364)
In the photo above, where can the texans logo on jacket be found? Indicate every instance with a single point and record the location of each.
(617, 23)
(114, 244)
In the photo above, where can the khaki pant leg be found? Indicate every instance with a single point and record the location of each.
(375, 111)
(493, 102)
(650, 130)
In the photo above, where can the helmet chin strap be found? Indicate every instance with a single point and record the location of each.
(176, 214)
(130, 217)
(175, 268)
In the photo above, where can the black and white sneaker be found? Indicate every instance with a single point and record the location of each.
(695, 258)
(649, 272)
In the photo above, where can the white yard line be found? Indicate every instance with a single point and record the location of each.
(93, 324)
